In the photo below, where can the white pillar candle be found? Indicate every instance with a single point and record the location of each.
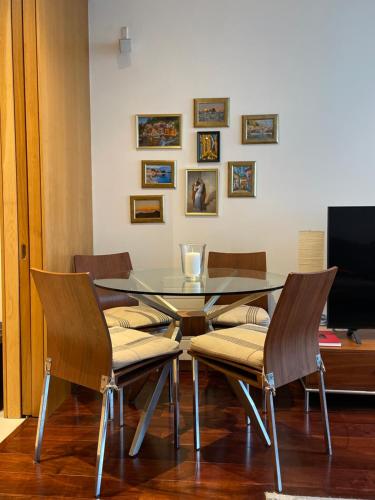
(192, 263)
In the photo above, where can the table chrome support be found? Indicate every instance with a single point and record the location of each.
(233, 305)
(147, 413)
(248, 404)
(210, 302)
(163, 307)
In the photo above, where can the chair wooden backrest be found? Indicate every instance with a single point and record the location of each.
(115, 265)
(255, 261)
(78, 340)
(292, 342)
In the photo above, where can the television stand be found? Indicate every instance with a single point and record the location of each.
(352, 334)
(350, 369)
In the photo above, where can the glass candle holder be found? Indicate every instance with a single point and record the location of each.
(192, 260)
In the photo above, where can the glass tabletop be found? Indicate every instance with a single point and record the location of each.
(214, 281)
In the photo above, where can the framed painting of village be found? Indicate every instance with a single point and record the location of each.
(260, 129)
(211, 112)
(158, 174)
(158, 131)
(241, 179)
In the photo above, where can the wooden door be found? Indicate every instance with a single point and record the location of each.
(46, 174)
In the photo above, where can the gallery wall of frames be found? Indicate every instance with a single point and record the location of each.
(164, 132)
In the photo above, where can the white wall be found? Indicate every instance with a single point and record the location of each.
(312, 62)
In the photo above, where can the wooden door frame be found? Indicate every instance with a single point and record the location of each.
(9, 227)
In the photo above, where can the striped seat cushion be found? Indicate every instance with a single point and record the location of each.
(135, 317)
(241, 315)
(242, 344)
(132, 346)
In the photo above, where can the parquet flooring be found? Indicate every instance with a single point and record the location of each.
(233, 462)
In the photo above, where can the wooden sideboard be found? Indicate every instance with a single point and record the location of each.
(350, 369)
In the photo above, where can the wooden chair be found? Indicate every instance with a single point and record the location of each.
(119, 309)
(288, 352)
(254, 312)
(81, 350)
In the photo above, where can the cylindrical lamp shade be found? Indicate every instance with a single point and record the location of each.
(311, 251)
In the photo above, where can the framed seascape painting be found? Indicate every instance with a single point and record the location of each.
(158, 131)
(158, 174)
(211, 112)
(146, 209)
(260, 129)
(208, 147)
(241, 179)
(201, 191)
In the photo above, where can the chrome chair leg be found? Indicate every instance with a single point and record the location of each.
(121, 405)
(195, 368)
(176, 409)
(324, 410)
(264, 401)
(108, 394)
(248, 404)
(147, 413)
(307, 401)
(170, 386)
(272, 425)
(248, 421)
(111, 406)
(42, 410)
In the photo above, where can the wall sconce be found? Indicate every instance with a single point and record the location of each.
(125, 43)
(311, 251)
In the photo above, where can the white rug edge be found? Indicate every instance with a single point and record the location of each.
(281, 496)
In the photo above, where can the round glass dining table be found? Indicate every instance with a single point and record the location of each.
(153, 286)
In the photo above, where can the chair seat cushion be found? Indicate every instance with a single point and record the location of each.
(242, 344)
(241, 315)
(135, 317)
(132, 346)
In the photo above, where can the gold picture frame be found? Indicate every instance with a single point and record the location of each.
(201, 192)
(241, 179)
(159, 174)
(146, 209)
(158, 131)
(260, 129)
(211, 112)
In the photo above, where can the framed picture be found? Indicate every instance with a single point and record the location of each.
(260, 129)
(158, 174)
(201, 191)
(208, 147)
(241, 179)
(146, 209)
(211, 112)
(158, 131)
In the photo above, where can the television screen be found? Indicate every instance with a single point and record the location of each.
(351, 247)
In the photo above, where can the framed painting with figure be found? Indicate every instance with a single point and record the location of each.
(158, 131)
(201, 191)
(208, 147)
(158, 174)
(146, 209)
(260, 129)
(211, 112)
(241, 179)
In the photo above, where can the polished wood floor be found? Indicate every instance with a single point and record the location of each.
(233, 463)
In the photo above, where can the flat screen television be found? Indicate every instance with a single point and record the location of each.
(351, 247)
